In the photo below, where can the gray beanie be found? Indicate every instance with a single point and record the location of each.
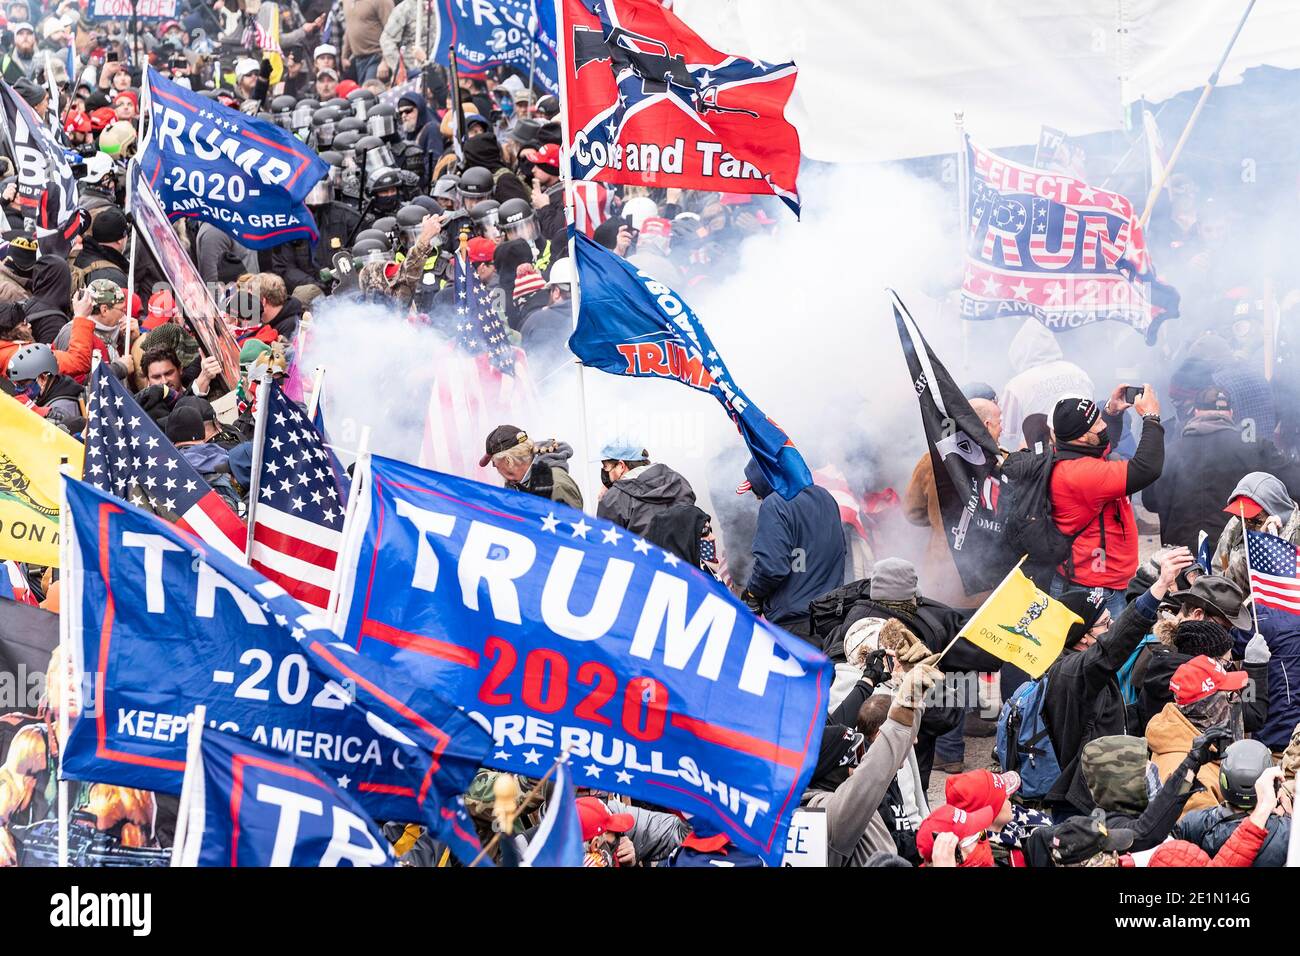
(893, 579)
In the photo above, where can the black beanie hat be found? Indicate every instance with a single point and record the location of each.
(184, 424)
(1074, 417)
(109, 226)
(1088, 605)
(1202, 637)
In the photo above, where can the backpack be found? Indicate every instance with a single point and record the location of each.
(1023, 743)
(828, 612)
(79, 273)
(1025, 511)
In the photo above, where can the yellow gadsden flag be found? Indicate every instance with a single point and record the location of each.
(1021, 624)
(30, 449)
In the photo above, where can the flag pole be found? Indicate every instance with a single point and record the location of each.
(1159, 184)
(962, 632)
(259, 444)
(963, 218)
(65, 648)
(349, 519)
(533, 26)
(575, 299)
(1250, 585)
(535, 788)
(193, 778)
(313, 400)
(130, 291)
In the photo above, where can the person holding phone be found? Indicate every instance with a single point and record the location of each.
(1090, 492)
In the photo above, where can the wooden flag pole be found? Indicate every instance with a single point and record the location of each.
(1159, 184)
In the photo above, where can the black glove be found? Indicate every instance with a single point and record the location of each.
(877, 669)
(752, 601)
(1209, 747)
(265, 69)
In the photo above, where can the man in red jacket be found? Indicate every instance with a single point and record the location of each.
(1089, 492)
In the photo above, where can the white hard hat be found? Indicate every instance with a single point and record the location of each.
(639, 209)
(325, 49)
(98, 166)
(245, 66)
(561, 273)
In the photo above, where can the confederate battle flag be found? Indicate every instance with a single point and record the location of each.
(651, 104)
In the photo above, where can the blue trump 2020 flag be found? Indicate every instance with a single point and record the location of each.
(162, 622)
(490, 33)
(629, 323)
(564, 632)
(251, 806)
(244, 175)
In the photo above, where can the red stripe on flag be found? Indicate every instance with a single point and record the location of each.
(419, 643)
(325, 558)
(736, 740)
(215, 507)
(317, 597)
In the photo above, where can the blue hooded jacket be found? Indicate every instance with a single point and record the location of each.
(798, 549)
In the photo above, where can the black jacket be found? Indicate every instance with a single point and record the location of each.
(633, 501)
(1157, 664)
(1084, 702)
(1201, 469)
(108, 262)
(292, 261)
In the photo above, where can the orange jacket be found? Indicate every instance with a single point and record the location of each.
(75, 361)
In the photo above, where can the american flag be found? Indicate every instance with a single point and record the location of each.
(298, 519)
(479, 382)
(1273, 579)
(14, 586)
(592, 205)
(255, 35)
(128, 455)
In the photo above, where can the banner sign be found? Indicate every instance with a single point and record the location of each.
(250, 806)
(564, 632)
(246, 176)
(162, 622)
(125, 9)
(490, 33)
(192, 296)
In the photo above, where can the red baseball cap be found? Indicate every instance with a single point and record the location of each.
(977, 789)
(596, 819)
(482, 249)
(131, 95)
(547, 155)
(77, 123)
(102, 118)
(1243, 505)
(1202, 676)
(346, 87)
(656, 226)
(950, 819)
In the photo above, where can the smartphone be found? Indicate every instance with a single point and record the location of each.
(112, 56)
(1131, 392)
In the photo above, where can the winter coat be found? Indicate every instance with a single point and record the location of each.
(220, 258)
(1281, 631)
(60, 400)
(798, 549)
(102, 262)
(75, 361)
(13, 287)
(50, 307)
(293, 262)
(1201, 469)
(1042, 377)
(1089, 498)
(1169, 737)
(1230, 554)
(1119, 786)
(938, 570)
(484, 150)
(409, 19)
(854, 826)
(1154, 669)
(634, 499)
(1211, 829)
(212, 462)
(548, 476)
(1083, 699)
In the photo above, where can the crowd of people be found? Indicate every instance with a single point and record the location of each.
(1167, 730)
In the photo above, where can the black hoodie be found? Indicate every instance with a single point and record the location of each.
(49, 308)
(484, 150)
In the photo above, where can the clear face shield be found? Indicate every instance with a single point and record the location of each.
(325, 135)
(300, 122)
(361, 107)
(323, 191)
(377, 158)
(382, 125)
(375, 255)
(526, 230)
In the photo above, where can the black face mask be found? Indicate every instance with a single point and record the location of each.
(605, 479)
(386, 204)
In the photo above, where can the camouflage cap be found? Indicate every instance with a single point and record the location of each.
(105, 292)
(1115, 771)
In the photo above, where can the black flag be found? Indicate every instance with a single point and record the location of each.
(965, 459)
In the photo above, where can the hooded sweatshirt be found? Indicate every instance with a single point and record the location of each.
(50, 307)
(798, 549)
(638, 496)
(484, 150)
(1042, 377)
(1169, 736)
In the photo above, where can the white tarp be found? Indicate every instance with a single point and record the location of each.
(881, 81)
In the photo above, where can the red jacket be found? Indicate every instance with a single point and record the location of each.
(1082, 489)
(1242, 847)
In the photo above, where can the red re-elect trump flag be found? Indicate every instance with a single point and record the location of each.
(651, 104)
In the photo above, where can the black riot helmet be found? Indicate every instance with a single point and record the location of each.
(371, 233)
(428, 204)
(388, 226)
(484, 216)
(383, 188)
(334, 160)
(361, 100)
(409, 220)
(475, 185)
(350, 124)
(376, 152)
(345, 144)
(282, 111)
(381, 120)
(366, 251)
(344, 107)
(325, 124)
(515, 219)
(300, 120)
